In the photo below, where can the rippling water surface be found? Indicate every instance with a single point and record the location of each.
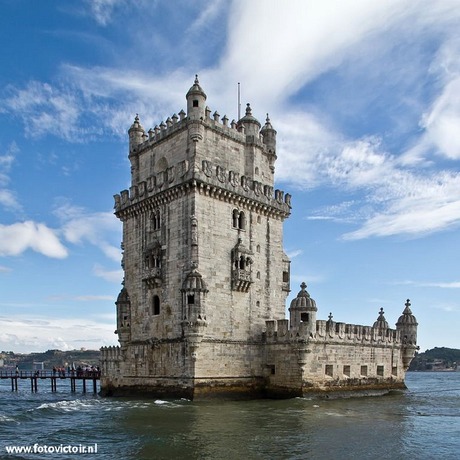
(421, 423)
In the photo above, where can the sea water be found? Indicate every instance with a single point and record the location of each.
(421, 423)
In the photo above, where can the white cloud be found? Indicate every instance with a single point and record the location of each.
(92, 298)
(95, 228)
(19, 237)
(7, 196)
(45, 109)
(112, 276)
(438, 284)
(103, 10)
(209, 11)
(40, 333)
(295, 253)
(413, 205)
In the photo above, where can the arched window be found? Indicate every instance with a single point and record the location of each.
(156, 220)
(242, 263)
(156, 305)
(241, 221)
(235, 218)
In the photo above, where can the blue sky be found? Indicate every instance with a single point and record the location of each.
(365, 97)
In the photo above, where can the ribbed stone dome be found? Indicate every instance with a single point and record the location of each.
(267, 126)
(136, 124)
(194, 282)
(303, 300)
(381, 321)
(196, 89)
(407, 318)
(123, 297)
(248, 118)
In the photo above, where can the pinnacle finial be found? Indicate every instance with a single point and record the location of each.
(407, 304)
(196, 79)
(248, 109)
(330, 316)
(303, 286)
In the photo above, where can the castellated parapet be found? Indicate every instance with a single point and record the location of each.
(202, 308)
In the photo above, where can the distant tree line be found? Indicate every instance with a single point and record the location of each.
(51, 358)
(436, 359)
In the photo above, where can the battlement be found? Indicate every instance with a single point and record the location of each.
(110, 354)
(175, 123)
(330, 331)
(224, 182)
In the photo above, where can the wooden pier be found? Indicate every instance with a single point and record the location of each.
(34, 376)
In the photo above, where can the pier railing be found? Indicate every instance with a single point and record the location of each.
(53, 377)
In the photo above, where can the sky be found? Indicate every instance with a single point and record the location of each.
(365, 97)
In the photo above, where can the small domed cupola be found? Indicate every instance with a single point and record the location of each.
(123, 305)
(407, 326)
(123, 297)
(269, 139)
(303, 300)
(303, 310)
(250, 123)
(407, 318)
(194, 282)
(196, 99)
(194, 290)
(267, 128)
(381, 322)
(136, 134)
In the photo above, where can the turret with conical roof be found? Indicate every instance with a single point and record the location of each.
(196, 100)
(250, 123)
(381, 323)
(407, 324)
(269, 139)
(303, 310)
(136, 134)
(123, 305)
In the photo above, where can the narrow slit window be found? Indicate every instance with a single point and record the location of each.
(156, 305)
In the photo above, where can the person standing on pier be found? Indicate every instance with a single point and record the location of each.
(17, 369)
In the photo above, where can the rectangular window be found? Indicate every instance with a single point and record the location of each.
(304, 317)
(329, 369)
(394, 370)
(364, 371)
(346, 371)
(380, 371)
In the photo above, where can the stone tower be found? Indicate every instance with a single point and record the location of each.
(203, 258)
(202, 308)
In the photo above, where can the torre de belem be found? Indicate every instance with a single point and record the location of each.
(202, 308)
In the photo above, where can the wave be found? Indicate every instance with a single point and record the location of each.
(69, 405)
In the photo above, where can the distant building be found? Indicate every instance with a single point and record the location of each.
(202, 309)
